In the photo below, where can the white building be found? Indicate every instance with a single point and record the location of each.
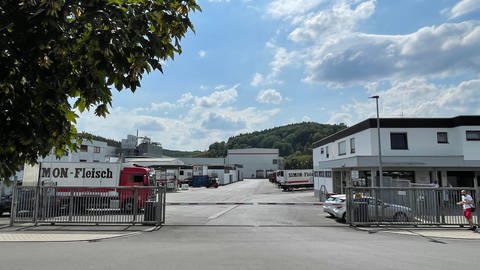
(443, 151)
(254, 162)
(88, 151)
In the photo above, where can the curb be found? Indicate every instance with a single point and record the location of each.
(67, 236)
(429, 233)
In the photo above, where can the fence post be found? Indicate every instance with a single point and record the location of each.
(35, 207)
(477, 202)
(164, 202)
(70, 206)
(13, 211)
(135, 204)
(349, 203)
(159, 205)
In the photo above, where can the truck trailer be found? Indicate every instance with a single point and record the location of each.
(91, 184)
(289, 180)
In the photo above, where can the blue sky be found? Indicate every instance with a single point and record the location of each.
(254, 65)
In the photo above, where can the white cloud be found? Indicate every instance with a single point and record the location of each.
(269, 96)
(282, 58)
(257, 79)
(336, 55)
(218, 98)
(162, 106)
(306, 118)
(202, 53)
(415, 98)
(203, 120)
(290, 8)
(431, 51)
(338, 19)
(464, 7)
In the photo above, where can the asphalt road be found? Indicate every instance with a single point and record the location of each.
(247, 203)
(246, 237)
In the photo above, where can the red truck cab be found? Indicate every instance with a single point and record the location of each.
(134, 177)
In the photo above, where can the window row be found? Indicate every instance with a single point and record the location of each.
(84, 148)
(342, 148)
(398, 141)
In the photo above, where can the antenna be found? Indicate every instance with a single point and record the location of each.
(136, 139)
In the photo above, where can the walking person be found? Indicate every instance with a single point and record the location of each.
(467, 204)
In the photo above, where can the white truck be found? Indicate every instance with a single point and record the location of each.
(292, 179)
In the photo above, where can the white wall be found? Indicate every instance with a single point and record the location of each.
(89, 156)
(421, 142)
(471, 149)
(362, 147)
(327, 182)
(253, 159)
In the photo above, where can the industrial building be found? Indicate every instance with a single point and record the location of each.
(414, 151)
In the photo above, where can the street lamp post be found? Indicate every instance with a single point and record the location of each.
(380, 171)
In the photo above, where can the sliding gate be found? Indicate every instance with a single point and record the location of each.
(407, 206)
(118, 205)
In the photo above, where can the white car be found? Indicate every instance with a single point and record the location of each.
(335, 206)
(367, 209)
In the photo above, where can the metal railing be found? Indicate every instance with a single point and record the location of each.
(52, 204)
(407, 206)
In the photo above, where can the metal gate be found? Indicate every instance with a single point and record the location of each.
(407, 206)
(113, 205)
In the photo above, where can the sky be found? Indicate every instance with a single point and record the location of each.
(253, 65)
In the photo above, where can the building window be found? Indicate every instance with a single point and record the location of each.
(326, 152)
(398, 141)
(96, 149)
(83, 148)
(442, 137)
(352, 145)
(274, 161)
(83, 160)
(342, 148)
(473, 135)
(96, 160)
(321, 151)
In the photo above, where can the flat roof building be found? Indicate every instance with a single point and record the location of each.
(429, 151)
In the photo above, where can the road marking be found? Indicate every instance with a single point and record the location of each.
(223, 212)
(244, 203)
(209, 203)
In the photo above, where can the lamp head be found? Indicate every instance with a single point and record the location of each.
(376, 97)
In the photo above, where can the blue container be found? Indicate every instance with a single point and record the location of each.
(200, 181)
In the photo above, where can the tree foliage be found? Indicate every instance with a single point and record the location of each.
(298, 162)
(88, 136)
(62, 56)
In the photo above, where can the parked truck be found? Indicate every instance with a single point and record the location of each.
(292, 179)
(92, 184)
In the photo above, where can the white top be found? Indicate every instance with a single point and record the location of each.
(467, 201)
